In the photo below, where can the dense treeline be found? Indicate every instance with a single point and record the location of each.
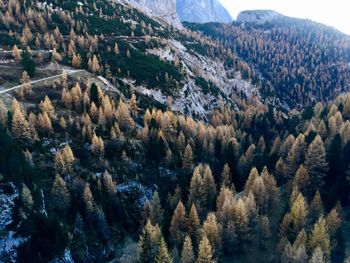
(243, 180)
(301, 61)
(98, 171)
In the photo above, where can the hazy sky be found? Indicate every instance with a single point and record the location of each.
(334, 13)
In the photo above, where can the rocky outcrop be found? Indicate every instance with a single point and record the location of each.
(258, 17)
(161, 10)
(202, 11)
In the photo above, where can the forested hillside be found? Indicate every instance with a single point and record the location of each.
(125, 140)
(300, 62)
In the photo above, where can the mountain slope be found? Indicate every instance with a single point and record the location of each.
(151, 56)
(123, 139)
(297, 61)
(202, 11)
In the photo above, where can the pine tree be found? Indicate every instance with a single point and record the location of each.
(299, 212)
(196, 186)
(301, 239)
(187, 161)
(46, 106)
(226, 179)
(254, 174)
(133, 105)
(317, 256)
(108, 184)
(146, 212)
(193, 225)
(149, 242)
(265, 229)
(60, 195)
(156, 210)
(316, 208)
(20, 128)
(273, 192)
(163, 255)
(64, 160)
(88, 199)
(295, 156)
(177, 225)
(212, 230)
(76, 60)
(209, 187)
(301, 180)
(205, 253)
(320, 236)
(229, 236)
(45, 125)
(280, 169)
(260, 194)
(97, 146)
(187, 255)
(16, 53)
(333, 221)
(241, 221)
(316, 164)
(125, 122)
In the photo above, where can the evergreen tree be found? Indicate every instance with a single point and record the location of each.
(97, 146)
(156, 210)
(205, 253)
(299, 212)
(320, 237)
(163, 255)
(125, 122)
(149, 242)
(295, 156)
(187, 161)
(316, 208)
(265, 229)
(317, 256)
(28, 63)
(316, 164)
(193, 225)
(226, 176)
(241, 221)
(20, 128)
(60, 196)
(187, 255)
(301, 180)
(212, 230)
(177, 225)
(46, 106)
(109, 184)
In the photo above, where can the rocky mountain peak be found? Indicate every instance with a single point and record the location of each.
(202, 11)
(161, 10)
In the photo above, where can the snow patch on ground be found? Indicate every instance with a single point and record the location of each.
(6, 205)
(66, 258)
(8, 240)
(9, 245)
(131, 188)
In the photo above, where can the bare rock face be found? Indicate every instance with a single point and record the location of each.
(202, 11)
(162, 10)
(258, 17)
